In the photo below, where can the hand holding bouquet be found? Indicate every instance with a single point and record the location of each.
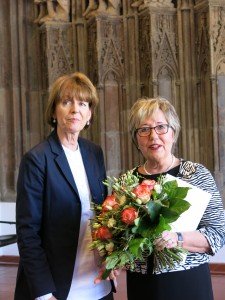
(133, 217)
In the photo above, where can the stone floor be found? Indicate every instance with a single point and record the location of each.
(8, 277)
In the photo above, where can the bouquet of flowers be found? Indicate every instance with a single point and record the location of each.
(132, 217)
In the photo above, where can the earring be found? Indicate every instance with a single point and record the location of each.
(54, 120)
(88, 123)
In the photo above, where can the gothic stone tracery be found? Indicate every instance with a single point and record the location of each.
(128, 49)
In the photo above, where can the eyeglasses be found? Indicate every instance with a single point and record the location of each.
(159, 129)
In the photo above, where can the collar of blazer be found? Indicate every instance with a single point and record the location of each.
(88, 156)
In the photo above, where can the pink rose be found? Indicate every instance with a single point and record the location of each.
(143, 192)
(110, 202)
(149, 183)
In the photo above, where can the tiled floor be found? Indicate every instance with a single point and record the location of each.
(8, 277)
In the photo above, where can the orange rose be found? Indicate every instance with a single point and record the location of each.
(94, 234)
(104, 233)
(128, 215)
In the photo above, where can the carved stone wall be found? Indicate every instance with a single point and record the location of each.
(158, 54)
(128, 49)
(210, 41)
(21, 122)
(106, 69)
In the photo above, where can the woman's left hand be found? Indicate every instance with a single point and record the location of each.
(167, 240)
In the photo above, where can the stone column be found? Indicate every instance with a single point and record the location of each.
(106, 69)
(158, 51)
(187, 70)
(216, 17)
(56, 59)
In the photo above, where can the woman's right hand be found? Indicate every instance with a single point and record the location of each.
(112, 276)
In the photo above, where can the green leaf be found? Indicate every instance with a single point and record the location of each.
(174, 204)
(135, 244)
(169, 185)
(162, 225)
(112, 260)
(118, 258)
(138, 245)
(175, 209)
(146, 228)
(106, 273)
(173, 191)
(153, 209)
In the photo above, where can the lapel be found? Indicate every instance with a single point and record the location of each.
(61, 160)
(88, 160)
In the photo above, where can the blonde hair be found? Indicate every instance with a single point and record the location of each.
(75, 85)
(145, 108)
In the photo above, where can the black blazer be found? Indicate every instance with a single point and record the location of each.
(48, 212)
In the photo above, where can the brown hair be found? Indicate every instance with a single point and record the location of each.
(75, 85)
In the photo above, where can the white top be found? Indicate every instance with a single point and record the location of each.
(86, 269)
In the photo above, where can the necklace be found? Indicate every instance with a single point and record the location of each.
(170, 166)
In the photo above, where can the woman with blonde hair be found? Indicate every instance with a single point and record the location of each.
(154, 127)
